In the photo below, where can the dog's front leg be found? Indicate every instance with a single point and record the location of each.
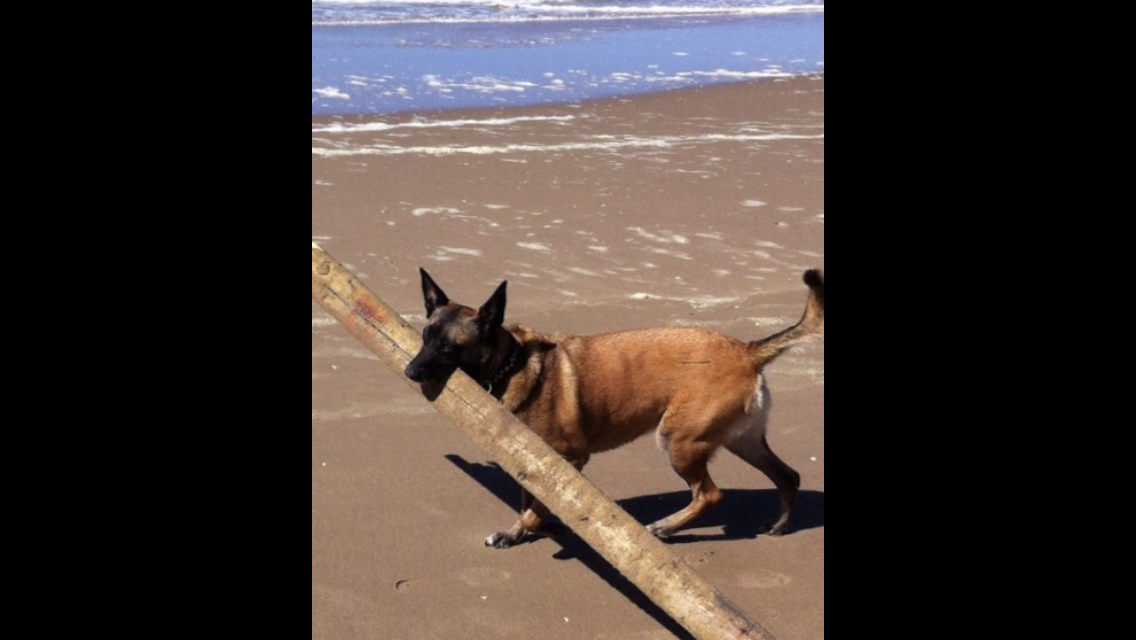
(534, 517)
(506, 539)
(532, 521)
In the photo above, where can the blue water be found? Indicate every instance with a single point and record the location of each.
(411, 55)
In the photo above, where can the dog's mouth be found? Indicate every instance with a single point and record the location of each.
(432, 376)
(427, 367)
(423, 376)
(415, 374)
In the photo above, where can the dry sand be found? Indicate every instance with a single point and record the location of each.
(701, 207)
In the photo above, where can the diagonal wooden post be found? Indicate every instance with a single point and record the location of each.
(606, 527)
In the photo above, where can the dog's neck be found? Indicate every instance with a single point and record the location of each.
(499, 370)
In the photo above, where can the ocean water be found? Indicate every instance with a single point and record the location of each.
(418, 55)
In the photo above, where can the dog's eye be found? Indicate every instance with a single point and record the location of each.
(445, 346)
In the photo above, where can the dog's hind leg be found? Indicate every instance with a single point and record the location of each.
(689, 460)
(750, 445)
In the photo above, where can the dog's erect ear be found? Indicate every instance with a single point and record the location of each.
(432, 294)
(492, 314)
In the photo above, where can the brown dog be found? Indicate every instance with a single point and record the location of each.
(698, 389)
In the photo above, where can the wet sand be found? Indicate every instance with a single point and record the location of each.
(697, 207)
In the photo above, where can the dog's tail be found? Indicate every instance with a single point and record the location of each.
(810, 327)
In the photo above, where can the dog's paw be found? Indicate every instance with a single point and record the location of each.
(501, 540)
(777, 530)
(659, 531)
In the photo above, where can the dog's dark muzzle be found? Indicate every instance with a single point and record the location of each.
(428, 365)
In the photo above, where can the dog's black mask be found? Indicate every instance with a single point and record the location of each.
(434, 361)
(456, 337)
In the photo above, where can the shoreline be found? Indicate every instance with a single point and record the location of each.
(566, 106)
(400, 68)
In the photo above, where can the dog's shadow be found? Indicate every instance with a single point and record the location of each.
(743, 514)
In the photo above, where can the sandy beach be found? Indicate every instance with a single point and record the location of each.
(700, 207)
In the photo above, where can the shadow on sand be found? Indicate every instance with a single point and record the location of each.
(743, 514)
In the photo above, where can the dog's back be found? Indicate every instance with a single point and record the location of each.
(615, 387)
(625, 383)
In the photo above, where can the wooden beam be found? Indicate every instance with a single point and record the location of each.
(606, 527)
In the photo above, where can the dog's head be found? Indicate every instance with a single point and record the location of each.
(456, 336)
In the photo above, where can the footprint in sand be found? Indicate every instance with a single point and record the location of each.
(472, 576)
(762, 580)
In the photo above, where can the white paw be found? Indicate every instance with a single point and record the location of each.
(499, 540)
